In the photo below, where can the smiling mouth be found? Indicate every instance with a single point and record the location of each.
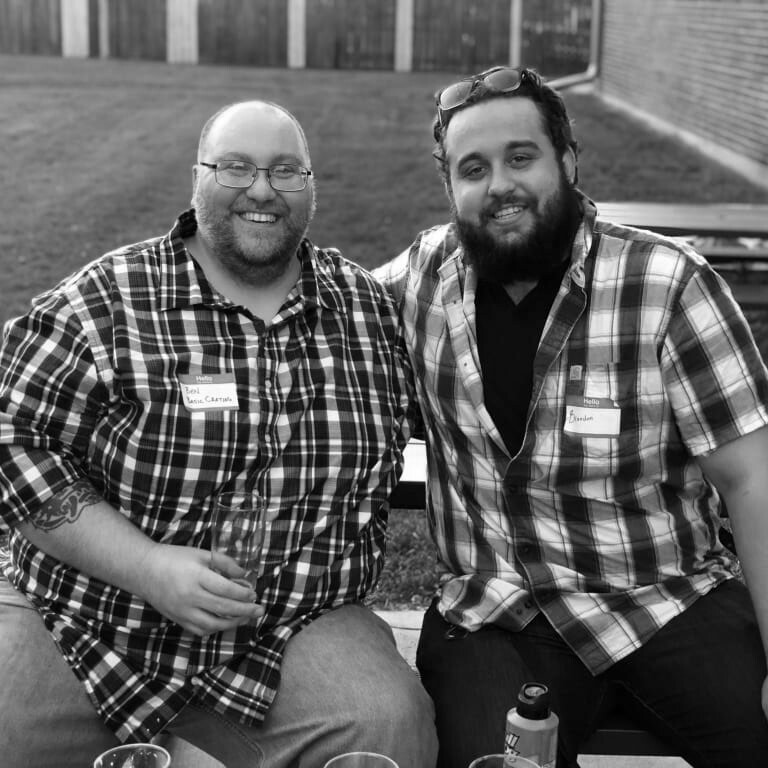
(258, 218)
(507, 213)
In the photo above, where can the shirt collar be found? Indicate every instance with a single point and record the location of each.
(318, 285)
(582, 243)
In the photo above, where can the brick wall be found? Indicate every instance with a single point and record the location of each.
(698, 65)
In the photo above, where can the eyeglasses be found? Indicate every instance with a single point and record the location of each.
(239, 174)
(499, 79)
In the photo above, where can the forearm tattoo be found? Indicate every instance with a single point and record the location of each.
(66, 507)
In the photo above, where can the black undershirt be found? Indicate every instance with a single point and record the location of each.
(508, 336)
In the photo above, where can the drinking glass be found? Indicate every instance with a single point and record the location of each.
(503, 761)
(238, 533)
(134, 756)
(361, 760)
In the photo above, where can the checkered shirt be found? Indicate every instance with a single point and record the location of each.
(90, 388)
(609, 536)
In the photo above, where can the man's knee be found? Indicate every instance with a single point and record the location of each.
(349, 658)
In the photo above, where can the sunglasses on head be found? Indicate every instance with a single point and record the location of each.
(498, 79)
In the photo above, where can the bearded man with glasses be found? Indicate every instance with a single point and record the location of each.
(230, 353)
(592, 396)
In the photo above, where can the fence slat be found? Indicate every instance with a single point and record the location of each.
(297, 34)
(181, 23)
(75, 28)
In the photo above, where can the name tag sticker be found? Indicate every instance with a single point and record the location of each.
(209, 391)
(592, 416)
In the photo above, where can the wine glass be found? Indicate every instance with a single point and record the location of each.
(239, 519)
(134, 756)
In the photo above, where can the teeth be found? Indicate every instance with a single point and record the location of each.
(259, 218)
(509, 210)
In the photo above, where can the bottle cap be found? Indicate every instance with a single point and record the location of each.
(533, 701)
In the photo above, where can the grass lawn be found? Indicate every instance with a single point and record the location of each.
(99, 153)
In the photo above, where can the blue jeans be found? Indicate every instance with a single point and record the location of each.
(344, 688)
(697, 683)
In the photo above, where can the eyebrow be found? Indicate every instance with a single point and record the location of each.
(523, 145)
(287, 158)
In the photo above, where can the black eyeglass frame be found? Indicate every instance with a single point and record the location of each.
(305, 173)
(494, 79)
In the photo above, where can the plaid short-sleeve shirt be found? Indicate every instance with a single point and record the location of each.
(94, 383)
(603, 520)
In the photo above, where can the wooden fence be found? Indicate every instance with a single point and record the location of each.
(443, 35)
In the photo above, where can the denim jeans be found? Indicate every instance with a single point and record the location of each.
(696, 682)
(344, 687)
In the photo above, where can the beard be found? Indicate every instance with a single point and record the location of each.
(535, 253)
(257, 260)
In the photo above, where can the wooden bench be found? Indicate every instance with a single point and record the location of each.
(747, 268)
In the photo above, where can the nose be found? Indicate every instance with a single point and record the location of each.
(502, 179)
(260, 189)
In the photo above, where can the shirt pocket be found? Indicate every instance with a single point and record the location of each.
(636, 389)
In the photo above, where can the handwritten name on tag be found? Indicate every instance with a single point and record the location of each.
(592, 416)
(209, 391)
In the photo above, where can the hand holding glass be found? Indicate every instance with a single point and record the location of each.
(238, 534)
(134, 756)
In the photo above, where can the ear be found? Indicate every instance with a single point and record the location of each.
(195, 179)
(569, 165)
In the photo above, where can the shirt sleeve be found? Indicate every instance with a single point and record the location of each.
(714, 374)
(394, 275)
(50, 399)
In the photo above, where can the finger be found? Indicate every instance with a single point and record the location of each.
(232, 587)
(226, 565)
(236, 610)
(223, 597)
(204, 623)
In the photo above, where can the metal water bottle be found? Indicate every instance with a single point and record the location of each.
(532, 727)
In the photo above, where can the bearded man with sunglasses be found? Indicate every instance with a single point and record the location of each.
(229, 354)
(591, 396)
